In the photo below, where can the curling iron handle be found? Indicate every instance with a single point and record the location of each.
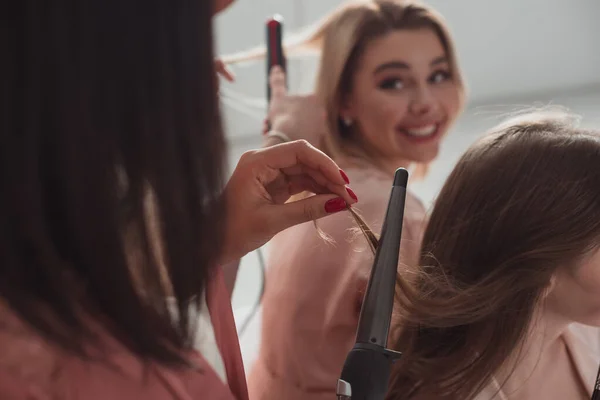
(344, 391)
(367, 369)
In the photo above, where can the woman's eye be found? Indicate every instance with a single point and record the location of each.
(391, 84)
(439, 76)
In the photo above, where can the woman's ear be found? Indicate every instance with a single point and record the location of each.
(551, 286)
(346, 112)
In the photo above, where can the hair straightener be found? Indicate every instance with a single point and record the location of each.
(275, 54)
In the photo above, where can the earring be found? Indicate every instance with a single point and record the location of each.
(347, 121)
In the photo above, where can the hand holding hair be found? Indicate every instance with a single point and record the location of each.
(264, 180)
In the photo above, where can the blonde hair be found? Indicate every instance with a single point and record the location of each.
(342, 37)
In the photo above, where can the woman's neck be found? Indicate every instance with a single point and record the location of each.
(543, 345)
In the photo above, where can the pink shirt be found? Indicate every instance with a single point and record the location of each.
(30, 369)
(314, 290)
(583, 346)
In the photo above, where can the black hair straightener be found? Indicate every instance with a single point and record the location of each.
(275, 54)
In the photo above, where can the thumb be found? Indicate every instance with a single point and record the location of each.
(309, 209)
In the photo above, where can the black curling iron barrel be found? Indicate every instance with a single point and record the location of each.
(368, 365)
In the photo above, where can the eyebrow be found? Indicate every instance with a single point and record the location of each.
(403, 65)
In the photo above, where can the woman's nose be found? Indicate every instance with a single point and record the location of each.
(423, 102)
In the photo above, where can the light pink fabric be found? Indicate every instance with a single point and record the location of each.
(583, 345)
(313, 294)
(30, 369)
(221, 315)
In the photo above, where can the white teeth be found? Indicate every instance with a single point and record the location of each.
(423, 131)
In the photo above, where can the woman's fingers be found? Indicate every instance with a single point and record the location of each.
(277, 83)
(262, 183)
(305, 210)
(304, 183)
(324, 184)
(300, 157)
(223, 70)
(301, 153)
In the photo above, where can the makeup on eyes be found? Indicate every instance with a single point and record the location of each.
(396, 81)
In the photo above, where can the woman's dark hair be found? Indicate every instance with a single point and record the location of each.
(112, 157)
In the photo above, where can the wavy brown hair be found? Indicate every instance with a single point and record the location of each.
(521, 203)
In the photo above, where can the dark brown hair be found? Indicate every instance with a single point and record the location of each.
(521, 202)
(106, 104)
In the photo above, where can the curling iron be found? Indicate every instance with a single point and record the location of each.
(367, 369)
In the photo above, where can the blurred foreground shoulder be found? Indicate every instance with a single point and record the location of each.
(29, 369)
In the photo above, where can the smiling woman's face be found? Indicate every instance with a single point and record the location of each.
(404, 96)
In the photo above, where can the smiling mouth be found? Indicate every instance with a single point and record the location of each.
(421, 133)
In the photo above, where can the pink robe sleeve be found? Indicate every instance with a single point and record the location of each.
(12, 388)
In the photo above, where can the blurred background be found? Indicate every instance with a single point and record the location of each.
(514, 54)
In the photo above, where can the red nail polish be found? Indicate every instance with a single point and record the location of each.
(352, 194)
(335, 205)
(344, 176)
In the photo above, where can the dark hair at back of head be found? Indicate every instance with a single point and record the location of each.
(104, 102)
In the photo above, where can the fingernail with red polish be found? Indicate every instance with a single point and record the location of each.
(335, 205)
(344, 176)
(352, 194)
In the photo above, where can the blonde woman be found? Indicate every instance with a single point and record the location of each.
(390, 89)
